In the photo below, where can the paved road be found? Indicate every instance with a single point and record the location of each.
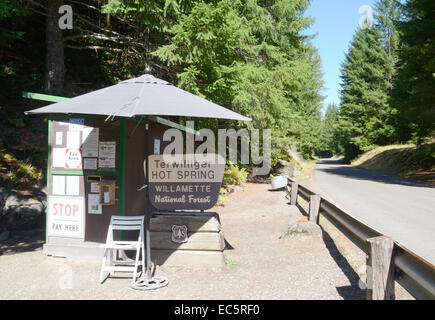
(402, 209)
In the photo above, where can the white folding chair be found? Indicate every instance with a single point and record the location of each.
(112, 246)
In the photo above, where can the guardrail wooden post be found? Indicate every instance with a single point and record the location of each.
(314, 208)
(294, 194)
(380, 268)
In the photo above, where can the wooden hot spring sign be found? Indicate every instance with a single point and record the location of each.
(185, 181)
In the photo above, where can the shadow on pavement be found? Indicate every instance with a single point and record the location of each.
(352, 292)
(23, 241)
(330, 161)
(228, 246)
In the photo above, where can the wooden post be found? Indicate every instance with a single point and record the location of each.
(380, 268)
(314, 208)
(294, 194)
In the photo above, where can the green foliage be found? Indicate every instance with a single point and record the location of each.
(234, 175)
(21, 60)
(17, 173)
(402, 160)
(388, 13)
(222, 200)
(415, 93)
(16, 122)
(367, 117)
(246, 55)
(229, 260)
(364, 108)
(251, 58)
(9, 9)
(12, 138)
(28, 170)
(330, 130)
(388, 84)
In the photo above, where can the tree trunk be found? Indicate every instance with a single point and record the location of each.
(54, 57)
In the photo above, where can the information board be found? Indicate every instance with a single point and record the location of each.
(84, 144)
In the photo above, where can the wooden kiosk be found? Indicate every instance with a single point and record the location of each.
(97, 146)
(95, 169)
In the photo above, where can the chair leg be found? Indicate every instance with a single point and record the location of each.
(112, 258)
(144, 267)
(135, 265)
(103, 264)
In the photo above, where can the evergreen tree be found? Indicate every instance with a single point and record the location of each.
(388, 13)
(330, 130)
(9, 10)
(365, 112)
(247, 55)
(415, 94)
(251, 57)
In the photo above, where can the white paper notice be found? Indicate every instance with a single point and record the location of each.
(106, 197)
(85, 133)
(95, 187)
(90, 163)
(107, 154)
(90, 139)
(156, 146)
(58, 187)
(73, 185)
(59, 138)
(73, 159)
(58, 158)
(94, 206)
(73, 139)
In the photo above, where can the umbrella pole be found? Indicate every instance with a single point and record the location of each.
(147, 281)
(147, 204)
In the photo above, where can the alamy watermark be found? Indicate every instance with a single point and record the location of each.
(66, 20)
(252, 148)
(66, 277)
(366, 21)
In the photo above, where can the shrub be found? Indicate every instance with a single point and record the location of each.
(222, 200)
(234, 175)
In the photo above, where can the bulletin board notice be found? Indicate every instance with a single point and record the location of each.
(79, 144)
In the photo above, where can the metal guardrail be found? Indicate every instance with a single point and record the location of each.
(412, 272)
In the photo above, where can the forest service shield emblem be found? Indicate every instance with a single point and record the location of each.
(179, 234)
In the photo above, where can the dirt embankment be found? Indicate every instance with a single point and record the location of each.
(406, 161)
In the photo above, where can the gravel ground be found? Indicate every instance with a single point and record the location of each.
(260, 265)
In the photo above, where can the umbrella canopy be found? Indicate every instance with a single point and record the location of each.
(145, 95)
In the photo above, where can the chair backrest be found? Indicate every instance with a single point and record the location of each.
(127, 222)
